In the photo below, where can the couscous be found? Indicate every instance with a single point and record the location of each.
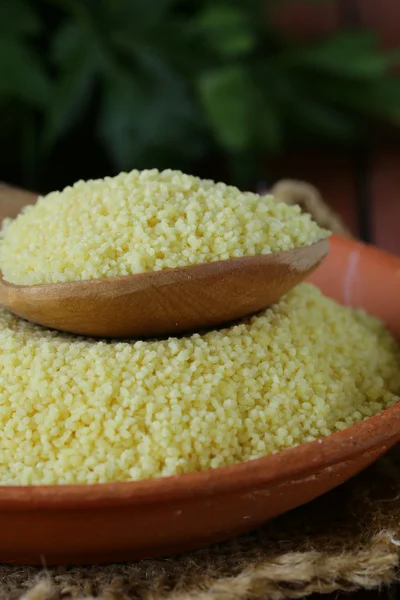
(144, 221)
(77, 410)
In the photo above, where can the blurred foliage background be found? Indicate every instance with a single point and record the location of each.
(92, 87)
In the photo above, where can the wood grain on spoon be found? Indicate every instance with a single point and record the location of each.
(171, 301)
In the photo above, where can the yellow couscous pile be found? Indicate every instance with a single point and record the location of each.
(145, 221)
(80, 410)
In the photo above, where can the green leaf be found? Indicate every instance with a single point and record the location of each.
(269, 128)
(378, 99)
(79, 10)
(354, 55)
(122, 102)
(227, 29)
(226, 95)
(140, 118)
(65, 43)
(69, 99)
(384, 100)
(19, 17)
(317, 117)
(29, 153)
(242, 114)
(140, 14)
(22, 75)
(74, 54)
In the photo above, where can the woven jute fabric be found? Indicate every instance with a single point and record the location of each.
(346, 540)
(310, 200)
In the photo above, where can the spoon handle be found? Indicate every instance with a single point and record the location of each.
(13, 199)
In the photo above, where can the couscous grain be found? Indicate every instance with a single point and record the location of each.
(76, 410)
(143, 221)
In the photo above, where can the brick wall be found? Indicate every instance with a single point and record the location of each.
(364, 190)
(367, 196)
(303, 19)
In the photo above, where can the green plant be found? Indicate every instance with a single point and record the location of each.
(94, 85)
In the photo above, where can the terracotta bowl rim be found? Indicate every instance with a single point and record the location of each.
(292, 463)
(340, 240)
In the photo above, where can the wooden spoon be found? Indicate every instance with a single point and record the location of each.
(157, 303)
(164, 302)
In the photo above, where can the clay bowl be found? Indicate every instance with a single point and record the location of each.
(126, 521)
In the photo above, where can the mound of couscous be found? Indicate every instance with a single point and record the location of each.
(77, 410)
(144, 221)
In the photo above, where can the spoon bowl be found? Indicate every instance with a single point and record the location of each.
(167, 302)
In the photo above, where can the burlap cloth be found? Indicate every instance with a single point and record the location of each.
(348, 539)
